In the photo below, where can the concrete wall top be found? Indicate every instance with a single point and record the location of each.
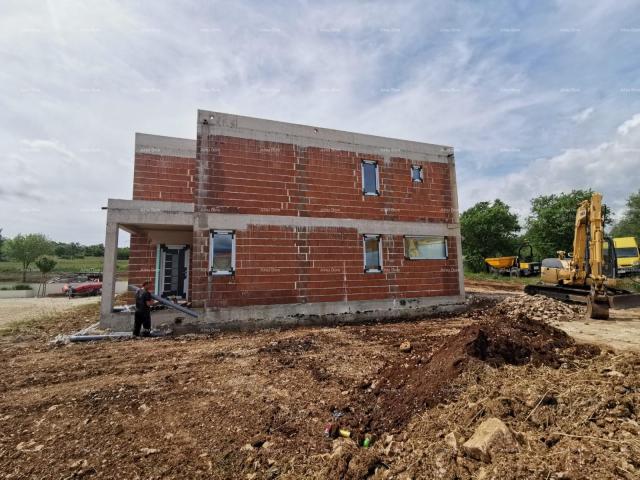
(167, 146)
(308, 136)
(149, 206)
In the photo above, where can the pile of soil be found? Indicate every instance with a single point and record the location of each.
(418, 381)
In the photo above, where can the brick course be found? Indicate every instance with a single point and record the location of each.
(267, 178)
(276, 265)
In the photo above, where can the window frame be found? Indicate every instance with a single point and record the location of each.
(366, 237)
(377, 170)
(421, 170)
(232, 270)
(446, 247)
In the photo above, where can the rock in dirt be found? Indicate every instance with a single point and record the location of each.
(149, 451)
(453, 439)
(491, 436)
(405, 347)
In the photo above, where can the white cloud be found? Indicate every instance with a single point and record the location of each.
(629, 125)
(612, 168)
(79, 78)
(583, 115)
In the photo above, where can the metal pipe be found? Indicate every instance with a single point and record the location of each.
(95, 338)
(168, 303)
(110, 336)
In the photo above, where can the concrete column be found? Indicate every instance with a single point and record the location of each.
(456, 219)
(109, 269)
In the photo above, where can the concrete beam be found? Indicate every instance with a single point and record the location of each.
(234, 221)
(238, 126)
(138, 213)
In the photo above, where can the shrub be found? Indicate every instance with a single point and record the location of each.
(21, 286)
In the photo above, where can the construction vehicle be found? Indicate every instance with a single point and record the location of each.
(516, 266)
(628, 256)
(589, 274)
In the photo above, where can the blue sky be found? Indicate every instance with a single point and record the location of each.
(537, 97)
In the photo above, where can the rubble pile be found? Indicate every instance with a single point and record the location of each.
(540, 308)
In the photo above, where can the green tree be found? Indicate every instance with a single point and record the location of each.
(27, 248)
(69, 250)
(94, 250)
(123, 253)
(2, 240)
(551, 224)
(629, 223)
(45, 265)
(488, 230)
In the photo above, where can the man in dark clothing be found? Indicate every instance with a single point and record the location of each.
(143, 311)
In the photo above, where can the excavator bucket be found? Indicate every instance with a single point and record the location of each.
(626, 300)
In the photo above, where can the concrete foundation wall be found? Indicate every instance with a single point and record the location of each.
(270, 316)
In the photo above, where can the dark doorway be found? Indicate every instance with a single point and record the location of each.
(174, 270)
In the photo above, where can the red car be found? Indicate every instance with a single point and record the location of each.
(85, 288)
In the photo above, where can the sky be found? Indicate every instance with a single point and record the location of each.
(537, 97)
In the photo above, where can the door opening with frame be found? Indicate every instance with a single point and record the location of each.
(172, 275)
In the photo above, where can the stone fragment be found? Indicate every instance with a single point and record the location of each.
(490, 437)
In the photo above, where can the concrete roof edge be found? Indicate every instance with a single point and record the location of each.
(163, 145)
(264, 129)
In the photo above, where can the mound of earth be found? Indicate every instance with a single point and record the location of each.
(415, 382)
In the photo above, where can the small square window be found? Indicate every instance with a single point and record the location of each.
(416, 174)
(370, 178)
(425, 248)
(372, 253)
(222, 252)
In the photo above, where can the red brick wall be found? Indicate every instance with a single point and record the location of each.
(157, 177)
(254, 177)
(160, 177)
(142, 260)
(279, 265)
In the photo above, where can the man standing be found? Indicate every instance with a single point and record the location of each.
(143, 310)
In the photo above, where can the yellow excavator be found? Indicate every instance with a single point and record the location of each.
(589, 274)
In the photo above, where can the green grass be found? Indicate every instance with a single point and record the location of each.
(12, 270)
(629, 284)
(485, 276)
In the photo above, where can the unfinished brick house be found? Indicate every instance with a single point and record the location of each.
(259, 222)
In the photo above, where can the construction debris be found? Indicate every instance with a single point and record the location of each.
(539, 308)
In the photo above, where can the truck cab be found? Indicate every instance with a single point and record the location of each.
(628, 256)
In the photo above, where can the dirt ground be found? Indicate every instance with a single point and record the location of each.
(22, 309)
(257, 405)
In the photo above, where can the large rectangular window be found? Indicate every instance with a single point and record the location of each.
(222, 252)
(370, 178)
(425, 248)
(372, 253)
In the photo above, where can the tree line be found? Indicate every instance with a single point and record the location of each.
(36, 249)
(491, 229)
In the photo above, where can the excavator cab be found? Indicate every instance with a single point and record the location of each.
(610, 259)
